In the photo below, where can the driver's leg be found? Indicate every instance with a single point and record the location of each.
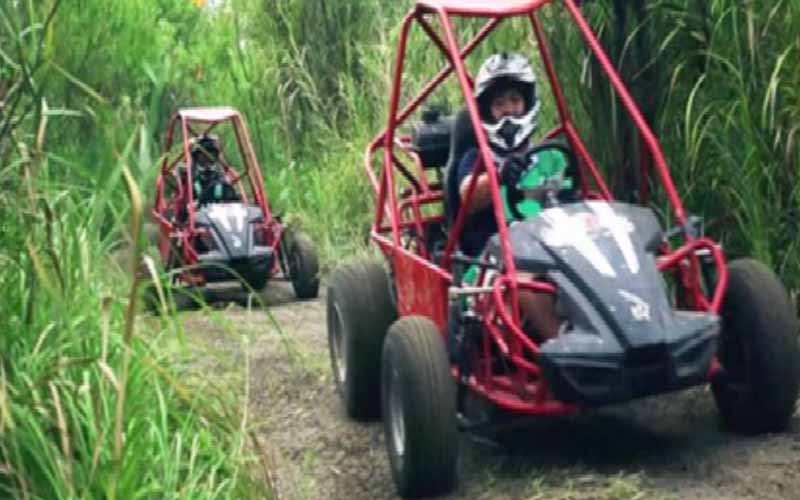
(540, 310)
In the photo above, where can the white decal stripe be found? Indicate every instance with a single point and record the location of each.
(218, 213)
(223, 213)
(621, 230)
(569, 231)
(240, 214)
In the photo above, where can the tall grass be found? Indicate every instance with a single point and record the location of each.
(68, 430)
(83, 99)
(740, 125)
(718, 81)
(91, 404)
(72, 351)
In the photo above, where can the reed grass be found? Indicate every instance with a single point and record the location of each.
(84, 107)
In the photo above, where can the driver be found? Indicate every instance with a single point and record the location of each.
(210, 183)
(509, 108)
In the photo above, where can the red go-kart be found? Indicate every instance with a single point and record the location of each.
(215, 223)
(644, 309)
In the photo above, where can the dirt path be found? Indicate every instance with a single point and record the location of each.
(669, 447)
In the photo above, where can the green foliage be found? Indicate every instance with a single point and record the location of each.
(91, 403)
(66, 362)
(88, 89)
(718, 81)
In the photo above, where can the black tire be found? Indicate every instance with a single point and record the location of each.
(360, 312)
(419, 408)
(759, 350)
(303, 266)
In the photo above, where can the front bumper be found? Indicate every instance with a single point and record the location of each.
(216, 267)
(580, 371)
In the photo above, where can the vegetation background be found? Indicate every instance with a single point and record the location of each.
(97, 403)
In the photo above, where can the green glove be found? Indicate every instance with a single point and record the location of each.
(547, 167)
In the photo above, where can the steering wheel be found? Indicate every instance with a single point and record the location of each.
(549, 192)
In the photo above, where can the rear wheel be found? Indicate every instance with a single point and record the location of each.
(759, 350)
(419, 409)
(303, 266)
(359, 314)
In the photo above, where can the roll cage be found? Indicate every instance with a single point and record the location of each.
(175, 211)
(424, 280)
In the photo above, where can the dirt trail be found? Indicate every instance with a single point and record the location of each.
(670, 447)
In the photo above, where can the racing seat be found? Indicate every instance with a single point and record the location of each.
(462, 139)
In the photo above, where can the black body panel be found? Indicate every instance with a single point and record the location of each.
(234, 250)
(624, 339)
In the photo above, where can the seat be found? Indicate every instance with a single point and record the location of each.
(462, 139)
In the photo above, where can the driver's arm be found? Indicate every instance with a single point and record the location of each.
(481, 197)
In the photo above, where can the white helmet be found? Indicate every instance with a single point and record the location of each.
(499, 72)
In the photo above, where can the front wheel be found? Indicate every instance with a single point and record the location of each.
(419, 409)
(758, 348)
(303, 266)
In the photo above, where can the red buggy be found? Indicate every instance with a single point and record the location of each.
(215, 223)
(645, 309)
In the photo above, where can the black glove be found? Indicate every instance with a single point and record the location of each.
(512, 170)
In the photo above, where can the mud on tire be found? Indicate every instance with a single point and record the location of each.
(759, 350)
(359, 312)
(419, 409)
(303, 266)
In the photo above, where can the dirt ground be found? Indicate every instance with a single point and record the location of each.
(669, 447)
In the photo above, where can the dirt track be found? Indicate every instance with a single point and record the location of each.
(667, 447)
